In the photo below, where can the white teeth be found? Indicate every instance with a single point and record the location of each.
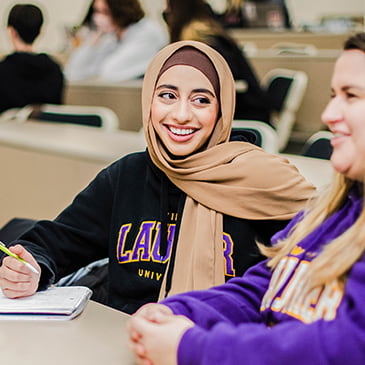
(181, 132)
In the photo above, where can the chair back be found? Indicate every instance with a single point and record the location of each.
(266, 136)
(17, 115)
(95, 116)
(285, 89)
(318, 145)
(292, 48)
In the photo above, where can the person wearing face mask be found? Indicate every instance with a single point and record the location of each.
(183, 214)
(305, 303)
(119, 45)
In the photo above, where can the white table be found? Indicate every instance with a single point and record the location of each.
(44, 165)
(97, 336)
(317, 171)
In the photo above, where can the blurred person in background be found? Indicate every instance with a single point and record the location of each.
(120, 43)
(28, 77)
(238, 13)
(233, 16)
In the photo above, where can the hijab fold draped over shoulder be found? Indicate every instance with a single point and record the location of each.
(232, 178)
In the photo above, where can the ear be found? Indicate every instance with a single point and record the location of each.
(12, 32)
(11, 29)
(14, 38)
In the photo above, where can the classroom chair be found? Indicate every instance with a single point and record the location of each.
(293, 48)
(285, 89)
(266, 136)
(95, 116)
(318, 145)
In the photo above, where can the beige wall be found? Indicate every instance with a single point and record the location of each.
(309, 11)
(60, 13)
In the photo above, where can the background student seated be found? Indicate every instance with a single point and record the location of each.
(120, 43)
(28, 77)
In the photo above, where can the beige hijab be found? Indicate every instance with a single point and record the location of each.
(233, 178)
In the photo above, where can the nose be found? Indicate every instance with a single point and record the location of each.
(332, 112)
(182, 112)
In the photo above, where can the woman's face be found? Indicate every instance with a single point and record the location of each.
(345, 115)
(102, 17)
(184, 109)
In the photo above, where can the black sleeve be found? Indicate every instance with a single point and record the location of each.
(79, 235)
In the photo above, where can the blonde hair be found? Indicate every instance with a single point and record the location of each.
(234, 5)
(200, 30)
(337, 257)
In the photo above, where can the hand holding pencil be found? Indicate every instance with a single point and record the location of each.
(19, 272)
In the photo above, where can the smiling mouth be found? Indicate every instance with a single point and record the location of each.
(181, 131)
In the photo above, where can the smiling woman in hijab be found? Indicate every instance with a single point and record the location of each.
(184, 214)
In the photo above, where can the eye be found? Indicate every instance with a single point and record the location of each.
(350, 95)
(202, 100)
(167, 95)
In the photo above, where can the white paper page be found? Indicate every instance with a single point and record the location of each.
(55, 300)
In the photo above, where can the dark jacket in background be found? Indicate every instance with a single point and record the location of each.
(29, 78)
(252, 104)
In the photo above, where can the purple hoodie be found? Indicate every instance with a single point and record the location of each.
(262, 318)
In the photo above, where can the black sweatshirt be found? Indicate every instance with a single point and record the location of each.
(119, 216)
(29, 78)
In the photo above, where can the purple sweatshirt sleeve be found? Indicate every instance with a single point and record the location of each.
(235, 302)
(337, 342)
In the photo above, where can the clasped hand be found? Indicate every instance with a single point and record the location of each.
(155, 333)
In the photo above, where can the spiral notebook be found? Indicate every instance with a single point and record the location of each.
(55, 303)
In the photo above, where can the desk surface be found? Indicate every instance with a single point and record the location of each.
(286, 53)
(38, 157)
(122, 97)
(129, 84)
(97, 336)
(263, 38)
(88, 143)
(317, 171)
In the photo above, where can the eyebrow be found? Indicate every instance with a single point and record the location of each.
(173, 87)
(347, 87)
